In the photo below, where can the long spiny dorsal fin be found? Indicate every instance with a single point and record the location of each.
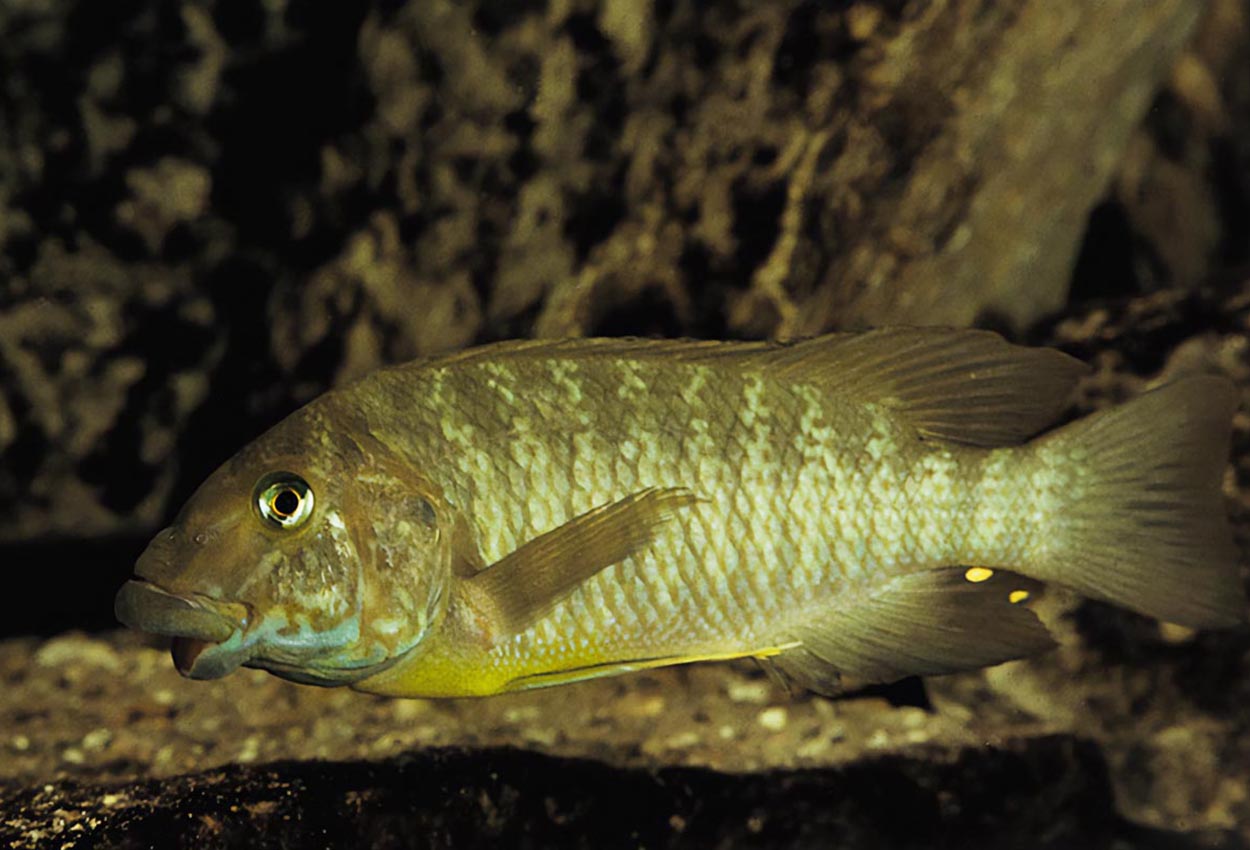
(963, 386)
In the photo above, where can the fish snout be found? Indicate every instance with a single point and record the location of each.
(156, 564)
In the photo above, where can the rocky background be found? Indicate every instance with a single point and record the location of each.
(211, 211)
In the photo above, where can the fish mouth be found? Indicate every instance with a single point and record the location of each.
(207, 633)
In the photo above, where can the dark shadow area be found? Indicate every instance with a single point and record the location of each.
(1104, 266)
(1046, 793)
(53, 601)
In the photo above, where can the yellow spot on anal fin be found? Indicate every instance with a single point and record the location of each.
(978, 574)
(1017, 596)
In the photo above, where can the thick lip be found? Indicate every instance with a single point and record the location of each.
(144, 606)
(208, 635)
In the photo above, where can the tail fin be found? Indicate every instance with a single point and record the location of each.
(1148, 528)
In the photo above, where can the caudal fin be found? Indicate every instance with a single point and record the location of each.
(1147, 528)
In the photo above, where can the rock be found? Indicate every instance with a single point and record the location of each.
(509, 797)
(250, 217)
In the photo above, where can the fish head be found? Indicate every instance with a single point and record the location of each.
(314, 553)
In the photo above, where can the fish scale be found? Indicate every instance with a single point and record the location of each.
(708, 440)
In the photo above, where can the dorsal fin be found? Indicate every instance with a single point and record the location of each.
(964, 386)
(704, 351)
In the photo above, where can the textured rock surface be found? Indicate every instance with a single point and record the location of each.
(211, 211)
(516, 798)
(233, 204)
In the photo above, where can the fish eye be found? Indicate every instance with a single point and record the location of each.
(283, 499)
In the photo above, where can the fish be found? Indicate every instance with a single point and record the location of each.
(849, 509)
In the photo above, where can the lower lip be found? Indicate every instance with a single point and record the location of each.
(185, 652)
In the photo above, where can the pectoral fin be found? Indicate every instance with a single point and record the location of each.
(518, 590)
(924, 624)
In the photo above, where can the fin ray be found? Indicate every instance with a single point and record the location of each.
(613, 668)
(962, 386)
(925, 623)
(1149, 531)
(524, 585)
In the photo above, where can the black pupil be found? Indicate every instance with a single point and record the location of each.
(286, 503)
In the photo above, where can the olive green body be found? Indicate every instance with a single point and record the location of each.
(805, 498)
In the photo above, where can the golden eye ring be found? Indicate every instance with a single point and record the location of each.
(283, 500)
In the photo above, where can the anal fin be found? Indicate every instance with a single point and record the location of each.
(927, 623)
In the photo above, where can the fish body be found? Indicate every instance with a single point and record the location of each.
(801, 502)
(855, 507)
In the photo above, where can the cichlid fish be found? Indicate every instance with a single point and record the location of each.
(855, 507)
